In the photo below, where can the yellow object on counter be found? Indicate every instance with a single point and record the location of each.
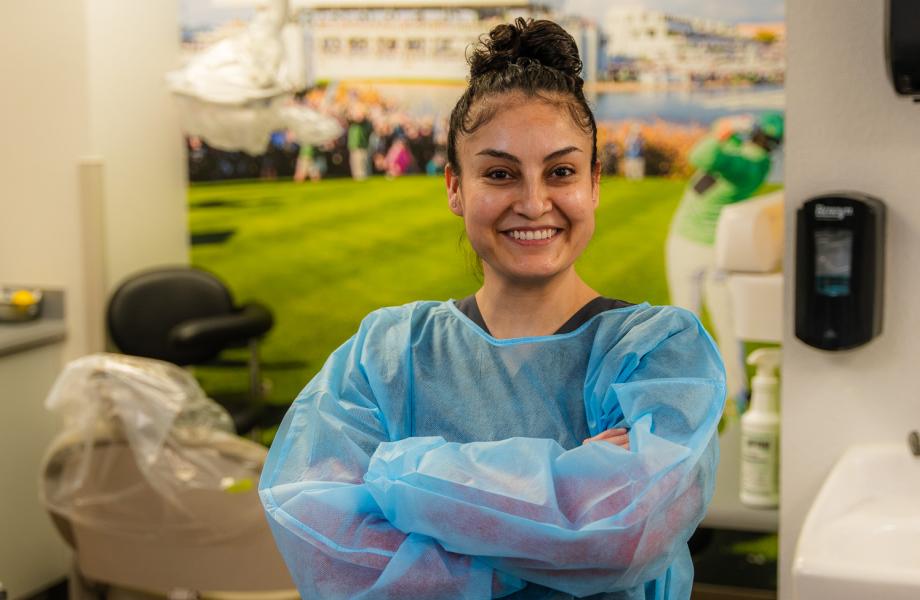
(23, 298)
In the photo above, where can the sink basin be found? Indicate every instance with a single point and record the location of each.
(861, 538)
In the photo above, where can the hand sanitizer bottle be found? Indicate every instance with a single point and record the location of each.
(760, 434)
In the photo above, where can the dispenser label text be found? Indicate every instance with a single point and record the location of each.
(759, 463)
(823, 212)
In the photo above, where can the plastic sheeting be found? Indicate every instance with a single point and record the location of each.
(430, 460)
(143, 452)
(246, 127)
(250, 65)
(235, 93)
(310, 127)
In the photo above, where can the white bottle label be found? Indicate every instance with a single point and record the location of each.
(759, 464)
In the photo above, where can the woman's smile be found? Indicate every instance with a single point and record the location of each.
(532, 236)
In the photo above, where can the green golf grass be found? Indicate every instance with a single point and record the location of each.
(322, 255)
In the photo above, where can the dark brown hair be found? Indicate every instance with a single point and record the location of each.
(536, 58)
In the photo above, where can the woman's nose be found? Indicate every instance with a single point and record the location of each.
(534, 201)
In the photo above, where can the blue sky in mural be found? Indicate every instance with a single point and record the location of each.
(203, 13)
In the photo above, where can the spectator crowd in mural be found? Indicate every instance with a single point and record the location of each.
(381, 139)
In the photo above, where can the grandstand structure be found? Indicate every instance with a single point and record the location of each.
(424, 40)
(690, 46)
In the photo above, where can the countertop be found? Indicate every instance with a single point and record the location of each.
(48, 328)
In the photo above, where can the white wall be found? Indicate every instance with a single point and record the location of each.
(81, 78)
(847, 130)
(45, 95)
(44, 125)
(86, 79)
(133, 129)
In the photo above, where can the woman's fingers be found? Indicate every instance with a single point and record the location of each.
(618, 436)
(609, 433)
(621, 440)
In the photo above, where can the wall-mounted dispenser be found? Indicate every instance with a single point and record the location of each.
(839, 271)
(903, 46)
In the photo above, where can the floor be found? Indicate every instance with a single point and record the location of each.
(704, 591)
(734, 565)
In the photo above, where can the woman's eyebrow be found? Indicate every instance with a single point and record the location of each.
(561, 152)
(510, 157)
(499, 154)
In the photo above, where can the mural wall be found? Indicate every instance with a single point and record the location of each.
(316, 136)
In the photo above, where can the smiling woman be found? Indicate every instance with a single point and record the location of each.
(533, 440)
(527, 196)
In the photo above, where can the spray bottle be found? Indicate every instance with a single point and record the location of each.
(760, 433)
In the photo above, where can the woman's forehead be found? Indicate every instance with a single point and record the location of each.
(526, 123)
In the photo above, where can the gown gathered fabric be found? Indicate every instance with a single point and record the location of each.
(430, 460)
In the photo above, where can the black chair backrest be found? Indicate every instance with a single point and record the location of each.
(144, 309)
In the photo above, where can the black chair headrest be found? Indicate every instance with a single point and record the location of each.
(146, 307)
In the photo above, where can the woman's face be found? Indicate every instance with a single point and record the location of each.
(528, 190)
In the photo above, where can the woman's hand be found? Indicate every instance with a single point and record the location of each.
(618, 436)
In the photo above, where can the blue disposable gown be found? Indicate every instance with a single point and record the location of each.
(429, 460)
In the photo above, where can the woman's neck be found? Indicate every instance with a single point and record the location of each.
(513, 309)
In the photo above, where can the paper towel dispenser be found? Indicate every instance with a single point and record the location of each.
(839, 270)
(903, 46)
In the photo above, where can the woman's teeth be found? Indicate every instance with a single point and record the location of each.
(539, 234)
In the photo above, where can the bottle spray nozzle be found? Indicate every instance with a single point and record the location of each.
(767, 361)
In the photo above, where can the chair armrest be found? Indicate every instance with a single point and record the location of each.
(250, 321)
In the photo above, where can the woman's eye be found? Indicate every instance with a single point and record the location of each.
(563, 171)
(498, 174)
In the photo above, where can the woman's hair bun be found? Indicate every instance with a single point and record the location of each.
(526, 42)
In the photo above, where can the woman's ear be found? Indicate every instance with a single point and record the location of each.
(454, 199)
(596, 183)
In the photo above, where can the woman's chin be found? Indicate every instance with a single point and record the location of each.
(529, 276)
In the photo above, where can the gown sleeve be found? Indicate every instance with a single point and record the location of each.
(596, 518)
(330, 531)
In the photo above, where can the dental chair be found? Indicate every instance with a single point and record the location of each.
(187, 316)
(152, 490)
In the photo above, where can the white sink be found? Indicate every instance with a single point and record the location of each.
(861, 538)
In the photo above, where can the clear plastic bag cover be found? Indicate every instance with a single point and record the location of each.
(145, 453)
(245, 127)
(309, 126)
(430, 460)
(248, 127)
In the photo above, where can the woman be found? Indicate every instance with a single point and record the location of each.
(440, 451)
